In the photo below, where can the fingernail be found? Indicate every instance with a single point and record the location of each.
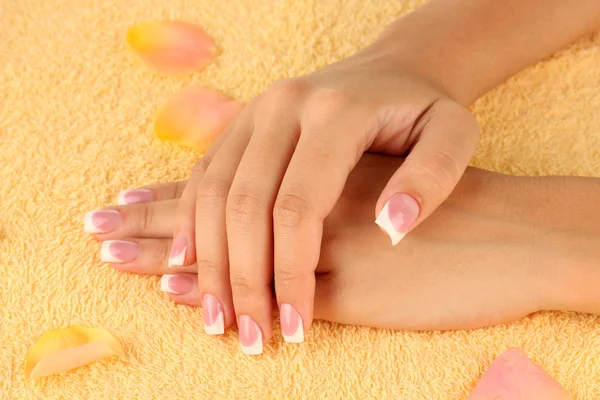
(212, 314)
(118, 251)
(398, 216)
(135, 196)
(250, 336)
(291, 324)
(178, 249)
(103, 221)
(176, 284)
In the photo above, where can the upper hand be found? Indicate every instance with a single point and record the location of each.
(254, 206)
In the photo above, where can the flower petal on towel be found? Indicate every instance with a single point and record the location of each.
(195, 117)
(172, 47)
(61, 350)
(512, 376)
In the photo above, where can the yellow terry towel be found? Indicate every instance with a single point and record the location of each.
(75, 128)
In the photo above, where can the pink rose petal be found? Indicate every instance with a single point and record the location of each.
(512, 376)
(195, 117)
(172, 47)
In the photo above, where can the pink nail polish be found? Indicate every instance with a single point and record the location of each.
(102, 221)
(250, 336)
(212, 314)
(291, 324)
(176, 284)
(178, 250)
(135, 196)
(118, 251)
(398, 216)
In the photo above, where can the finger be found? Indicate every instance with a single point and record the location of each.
(183, 251)
(447, 141)
(150, 193)
(140, 256)
(144, 220)
(250, 216)
(211, 239)
(183, 289)
(312, 185)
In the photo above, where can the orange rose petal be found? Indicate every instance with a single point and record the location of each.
(172, 47)
(512, 376)
(61, 350)
(195, 117)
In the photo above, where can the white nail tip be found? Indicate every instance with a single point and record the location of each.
(164, 284)
(384, 221)
(121, 198)
(256, 348)
(121, 201)
(105, 254)
(298, 336)
(88, 222)
(218, 328)
(178, 259)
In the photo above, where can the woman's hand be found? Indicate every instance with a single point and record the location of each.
(513, 254)
(253, 209)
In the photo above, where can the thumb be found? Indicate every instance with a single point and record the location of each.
(445, 144)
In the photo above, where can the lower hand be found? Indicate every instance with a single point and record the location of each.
(489, 271)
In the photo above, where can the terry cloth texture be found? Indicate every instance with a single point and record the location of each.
(76, 127)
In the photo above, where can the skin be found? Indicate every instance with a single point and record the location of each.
(253, 210)
(499, 248)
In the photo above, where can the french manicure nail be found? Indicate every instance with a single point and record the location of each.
(102, 221)
(291, 324)
(212, 314)
(250, 336)
(398, 216)
(135, 196)
(118, 251)
(178, 249)
(176, 284)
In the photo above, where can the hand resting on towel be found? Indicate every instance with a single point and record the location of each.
(499, 248)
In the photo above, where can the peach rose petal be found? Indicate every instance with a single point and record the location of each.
(512, 376)
(64, 349)
(172, 47)
(195, 117)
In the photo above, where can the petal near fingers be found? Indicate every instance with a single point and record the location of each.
(61, 350)
(195, 117)
(172, 47)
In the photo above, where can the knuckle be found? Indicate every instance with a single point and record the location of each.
(207, 267)
(329, 103)
(243, 206)
(286, 276)
(242, 284)
(442, 171)
(144, 218)
(290, 210)
(286, 89)
(212, 192)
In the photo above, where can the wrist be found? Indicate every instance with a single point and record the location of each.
(545, 230)
(565, 241)
(467, 47)
(413, 46)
